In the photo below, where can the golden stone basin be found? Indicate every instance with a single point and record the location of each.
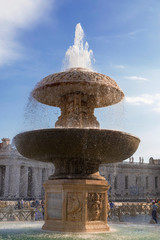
(74, 150)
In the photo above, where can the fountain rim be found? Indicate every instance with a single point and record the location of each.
(77, 129)
(99, 85)
(69, 144)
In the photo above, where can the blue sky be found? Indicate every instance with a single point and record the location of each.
(125, 39)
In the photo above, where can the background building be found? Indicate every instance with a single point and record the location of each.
(23, 178)
(131, 180)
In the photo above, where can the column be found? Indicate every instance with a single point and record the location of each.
(2, 178)
(37, 182)
(25, 181)
(14, 181)
(44, 178)
(44, 175)
(40, 182)
(0, 181)
(6, 182)
(23, 187)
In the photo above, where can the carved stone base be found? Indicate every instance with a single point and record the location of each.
(76, 205)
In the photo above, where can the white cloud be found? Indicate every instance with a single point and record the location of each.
(139, 100)
(138, 78)
(146, 99)
(133, 33)
(157, 107)
(120, 66)
(15, 16)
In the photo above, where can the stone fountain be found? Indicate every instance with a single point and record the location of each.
(76, 195)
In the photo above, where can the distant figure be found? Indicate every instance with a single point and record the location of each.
(36, 203)
(39, 213)
(42, 202)
(33, 204)
(111, 209)
(111, 205)
(19, 204)
(154, 212)
(22, 203)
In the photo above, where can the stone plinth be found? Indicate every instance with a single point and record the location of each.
(76, 205)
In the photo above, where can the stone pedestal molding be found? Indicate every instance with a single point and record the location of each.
(76, 205)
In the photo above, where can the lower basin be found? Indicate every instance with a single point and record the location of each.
(95, 145)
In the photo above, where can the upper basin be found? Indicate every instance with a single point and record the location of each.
(95, 145)
(103, 88)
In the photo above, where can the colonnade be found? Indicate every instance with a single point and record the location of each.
(18, 181)
(23, 178)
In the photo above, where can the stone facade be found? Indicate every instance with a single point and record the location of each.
(19, 176)
(131, 180)
(23, 178)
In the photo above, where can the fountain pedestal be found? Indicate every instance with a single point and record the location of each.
(76, 205)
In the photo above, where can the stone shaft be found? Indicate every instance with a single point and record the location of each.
(77, 110)
(75, 168)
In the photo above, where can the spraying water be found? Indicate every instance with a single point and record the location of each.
(79, 54)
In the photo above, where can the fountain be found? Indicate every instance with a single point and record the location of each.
(76, 195)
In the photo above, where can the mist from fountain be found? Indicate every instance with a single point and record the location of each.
(38, 115)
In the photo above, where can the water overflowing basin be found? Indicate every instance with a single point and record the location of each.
(99, 145)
